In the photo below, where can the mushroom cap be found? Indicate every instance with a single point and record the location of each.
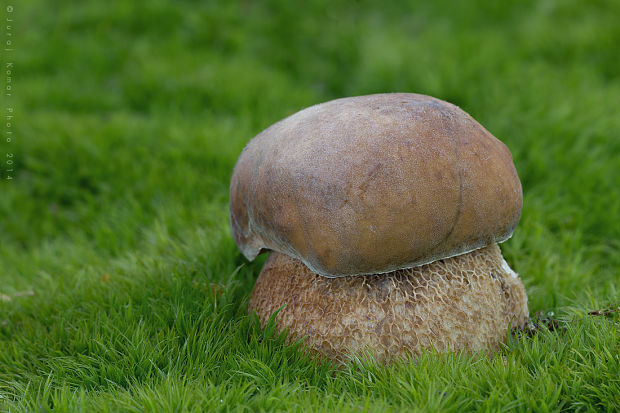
(464, 303)
(372, 184)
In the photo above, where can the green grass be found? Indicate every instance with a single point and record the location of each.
(120, 286)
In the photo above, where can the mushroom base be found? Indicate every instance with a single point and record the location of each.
(464, 303)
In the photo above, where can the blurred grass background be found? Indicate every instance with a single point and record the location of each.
(118, 280)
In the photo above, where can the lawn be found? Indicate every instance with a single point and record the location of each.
(121, 288)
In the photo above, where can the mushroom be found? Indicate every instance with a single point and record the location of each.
(382, 214)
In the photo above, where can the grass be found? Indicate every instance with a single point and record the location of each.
(120, 286)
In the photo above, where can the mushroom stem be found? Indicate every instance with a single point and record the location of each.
(464, 303)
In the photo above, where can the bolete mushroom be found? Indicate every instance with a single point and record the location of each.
(382, 214)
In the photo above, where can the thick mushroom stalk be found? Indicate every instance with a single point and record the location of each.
(464, 303)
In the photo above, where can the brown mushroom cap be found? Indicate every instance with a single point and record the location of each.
(373, 184)
(464, 303)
